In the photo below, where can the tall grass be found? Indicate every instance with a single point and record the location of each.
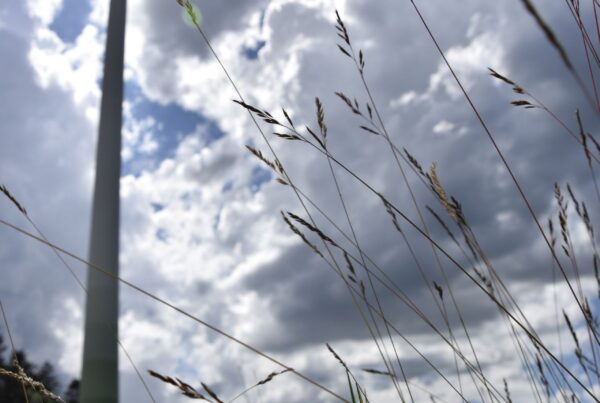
(566, 371)
(550, 377)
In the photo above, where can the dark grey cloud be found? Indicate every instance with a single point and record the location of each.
(469, 167)
(45, 147)
(225, 255)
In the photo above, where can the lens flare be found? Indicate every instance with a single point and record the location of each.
(187, 18)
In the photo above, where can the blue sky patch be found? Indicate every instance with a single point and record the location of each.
(71, 19)
(216, 221)
(251, 53)
(259, 177)
(261, 22)
(156, 207)
(173, 124)
(162, 235)
(227, 186)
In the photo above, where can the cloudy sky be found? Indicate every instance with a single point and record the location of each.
(200, 220)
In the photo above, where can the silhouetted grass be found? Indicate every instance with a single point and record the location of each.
(548, 371)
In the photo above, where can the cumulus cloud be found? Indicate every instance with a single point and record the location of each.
(200, 216)
(46, 143)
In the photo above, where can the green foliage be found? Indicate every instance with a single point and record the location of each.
(360, 396)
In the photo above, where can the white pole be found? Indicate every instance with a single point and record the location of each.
(100, 372)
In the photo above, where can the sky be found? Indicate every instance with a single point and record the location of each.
(200, 216)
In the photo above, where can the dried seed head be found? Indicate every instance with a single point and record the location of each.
(548, 32)
(13, 200)
(441, 193)
(186, 389)
(337, 357)
(499, 76)
(21, 377)
(296, 231)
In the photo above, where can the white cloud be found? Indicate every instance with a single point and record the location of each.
(473, 59)
(43, 10)
(404, 99)
(138, 137)
(73, 68)
(443, 127)
(201, 227)
(67, 327)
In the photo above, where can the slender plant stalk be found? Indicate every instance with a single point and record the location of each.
(14, 350)
(173, 307)
(64, 263)
(504, 161)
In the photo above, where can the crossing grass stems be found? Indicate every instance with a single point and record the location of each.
(549, 375)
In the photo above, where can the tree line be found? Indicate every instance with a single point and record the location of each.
(11, 391)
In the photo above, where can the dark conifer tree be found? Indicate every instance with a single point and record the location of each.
(72, 393)
(11, 391)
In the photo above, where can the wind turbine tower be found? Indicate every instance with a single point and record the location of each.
(100, 372)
